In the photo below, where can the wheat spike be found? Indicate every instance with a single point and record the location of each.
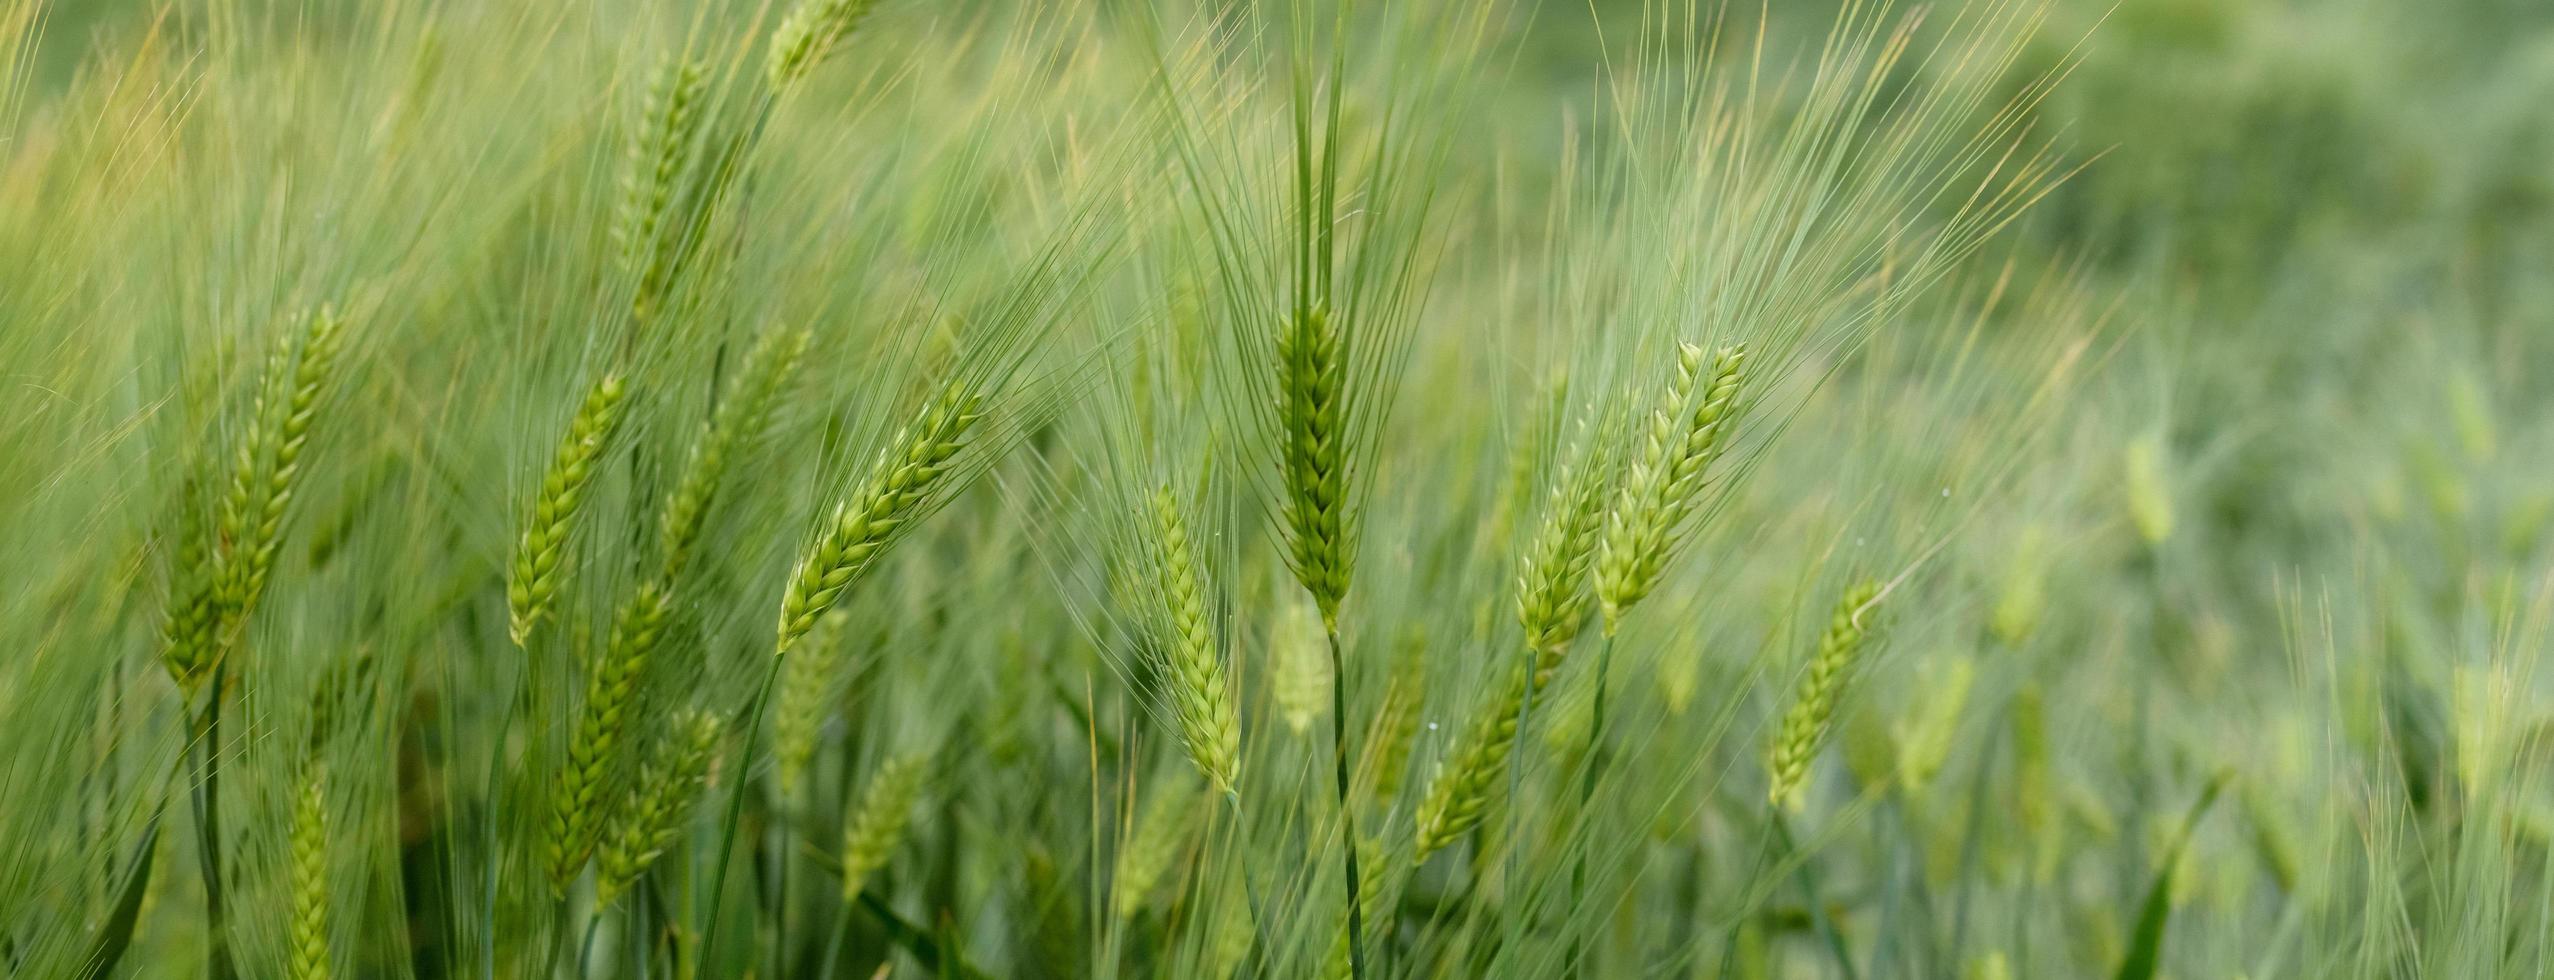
(1231, 934)
(650, 817)
(611, 696)
(270, 465)
(1201, 697)
(2148, 489)
(1311, 387)
(1378, 879)
(1813, 704)
(1666, 477)
(1466, 780)
(877, 823)
(1302, 676)
(738, 421)
(1161, 830)
(1551, 606)
(193, 618)
(660, 150)
(806, 694)
(1551, 587)
(533, 581)
(808, 35)
(898, 490)
(308, 839)
(221, 570)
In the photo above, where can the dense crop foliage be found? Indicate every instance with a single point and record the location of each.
(838, 488)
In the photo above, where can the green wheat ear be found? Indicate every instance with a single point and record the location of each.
(1161, 829)
(660, 150)
(221, 570)
(738, 421)
(650, 817)
(307, 839)
(1201, 697)
(901, 487)
(1665, 478)
(1311, 387)
(877, 823)
(1552, 606)
(806, 691)
(1813, 704)
(532, 584)
(611, 699)
(809, 35)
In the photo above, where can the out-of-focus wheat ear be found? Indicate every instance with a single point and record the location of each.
(2148, 488)
(660, 151)
(611, 696)
(1666, 476)
(806, 694)
(808, 35)
(1300, 678)
(1161, 830)
(1375, 894)
(1201, 696)
(877, 823)
(900, 488)
(650, 817)
(1813, 704)
(1396, 726)
(308, 839)
(735, 425)
(1312, 378)
(533, 579)
(1230, 933)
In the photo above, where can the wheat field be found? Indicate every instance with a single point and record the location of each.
(1979, 489)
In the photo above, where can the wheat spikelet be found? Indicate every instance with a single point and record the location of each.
(1311, 379)
(1201, 697)
(533, 580)
(808, 35)
(650, 817)
(806, 693)
(1161, 830)
(738, 421)
(308, 839)
(1666, 477)
(660, 149)
(898, 490)
(1813, 705)
(877, 823)
(611, 695)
